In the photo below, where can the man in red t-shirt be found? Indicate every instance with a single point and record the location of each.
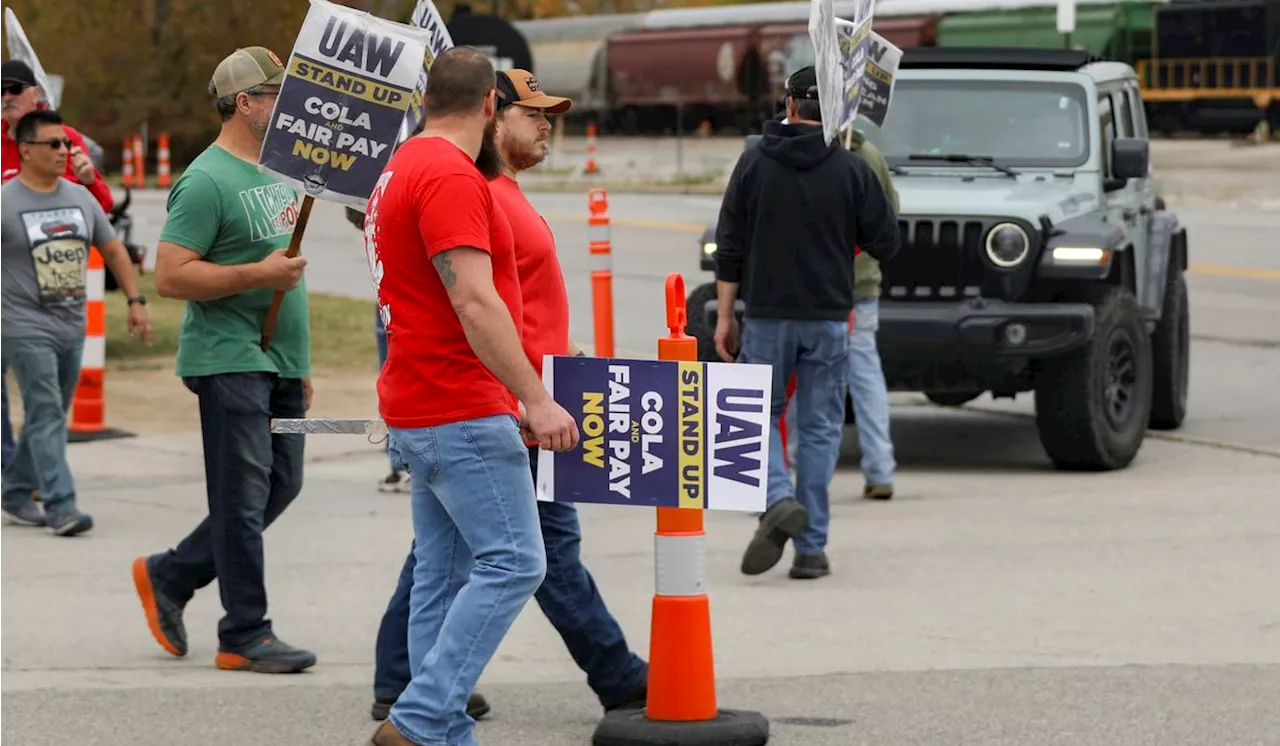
(442, 256)
(20, 97)
(568, 596)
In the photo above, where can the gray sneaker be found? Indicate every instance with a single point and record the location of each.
(68, 521)
(29, 514)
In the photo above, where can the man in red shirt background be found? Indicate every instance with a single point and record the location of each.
(568, 596)
(20, 97)
(442, 257)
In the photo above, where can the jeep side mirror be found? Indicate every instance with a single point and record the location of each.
(1129, 158)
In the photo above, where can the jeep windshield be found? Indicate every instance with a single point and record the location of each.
(1009, 124)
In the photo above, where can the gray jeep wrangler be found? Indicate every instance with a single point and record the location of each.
(1036, 255)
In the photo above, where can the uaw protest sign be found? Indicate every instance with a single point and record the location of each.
(425, 16)
(660, 433)
(349, 82)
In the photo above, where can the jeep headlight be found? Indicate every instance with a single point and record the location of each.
(1007, 245)
(708, 248)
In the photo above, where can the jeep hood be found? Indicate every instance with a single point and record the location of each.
(1028, 197)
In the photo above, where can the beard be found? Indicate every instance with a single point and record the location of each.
(526, 157)
(489, 161)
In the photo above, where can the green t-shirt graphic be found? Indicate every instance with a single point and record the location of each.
(229, 213)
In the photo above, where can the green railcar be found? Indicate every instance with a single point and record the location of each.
(1121, 31)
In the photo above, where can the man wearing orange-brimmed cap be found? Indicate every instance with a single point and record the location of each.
(568, 595)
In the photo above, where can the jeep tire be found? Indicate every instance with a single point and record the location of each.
(1171, 357)
(696, 323)
(1092, 405)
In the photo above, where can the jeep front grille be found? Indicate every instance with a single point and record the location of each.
(940, 259)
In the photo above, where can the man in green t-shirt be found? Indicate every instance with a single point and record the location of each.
(223, 250)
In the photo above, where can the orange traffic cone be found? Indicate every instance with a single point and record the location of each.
(88, 408)
(681, 707)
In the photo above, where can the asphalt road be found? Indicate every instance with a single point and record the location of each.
(994, 601)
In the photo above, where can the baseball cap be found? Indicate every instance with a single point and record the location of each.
(17, 71)
(803, 84)
(244, 69)
(519, 87)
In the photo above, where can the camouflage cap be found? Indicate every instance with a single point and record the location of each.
(244, 69)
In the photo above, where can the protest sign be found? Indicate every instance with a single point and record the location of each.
(826, 65)
(345, 94)
(425, 16)
(20, 49)
(338, 115)
(851, 40)
(660, 433)
(882, 61)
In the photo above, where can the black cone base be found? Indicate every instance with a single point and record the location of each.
(730, 728)
(109, 433)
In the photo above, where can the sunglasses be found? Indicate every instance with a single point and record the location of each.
(14, 89)
(54, 144)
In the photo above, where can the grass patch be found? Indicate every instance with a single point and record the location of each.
(342, 336)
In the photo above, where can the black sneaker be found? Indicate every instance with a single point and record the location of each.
(477, 707)
(67, 521)
(164, 615)
(785, 520)
(637, 700)
(270, 654)
(809, 566)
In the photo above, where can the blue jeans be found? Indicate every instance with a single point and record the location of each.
(869, 393)
(478, 556)
(7, 428)
(817, 352)
(251, 476)
(48, 371)
(380, 334)
(569, 599)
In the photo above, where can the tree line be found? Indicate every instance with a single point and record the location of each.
(130, 62)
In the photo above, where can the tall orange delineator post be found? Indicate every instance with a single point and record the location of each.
(88, 407)
(681, 707)
(591, 167)
(162, 160)
(601, 247)
(139, 163)
(126, 162)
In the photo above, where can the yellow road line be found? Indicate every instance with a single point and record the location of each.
(1251, 273)
(675, 226)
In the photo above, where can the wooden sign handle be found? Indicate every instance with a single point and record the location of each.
(295, 248)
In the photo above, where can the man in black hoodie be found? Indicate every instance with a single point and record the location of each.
(794, 211)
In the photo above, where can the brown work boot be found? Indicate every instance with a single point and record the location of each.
(477, 707)
(387, 735)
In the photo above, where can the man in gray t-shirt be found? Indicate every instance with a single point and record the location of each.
(49, 225)
(47, 236)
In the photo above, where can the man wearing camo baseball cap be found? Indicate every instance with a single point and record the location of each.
(223, 250)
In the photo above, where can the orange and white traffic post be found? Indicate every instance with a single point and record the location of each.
(139, 163)
(681, 705)
(88, 407)
(162, 160)
(591, 167)
(126, 162)
(601, 247)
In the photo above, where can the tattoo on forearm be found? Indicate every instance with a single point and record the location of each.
(444, 267)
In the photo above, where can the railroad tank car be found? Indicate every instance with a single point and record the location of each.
(1215, 67)
(570, 59)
